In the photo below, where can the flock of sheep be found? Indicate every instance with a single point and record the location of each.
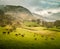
(23, 35)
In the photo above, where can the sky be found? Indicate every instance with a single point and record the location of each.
(41, 7)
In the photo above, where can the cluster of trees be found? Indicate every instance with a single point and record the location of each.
(37, 21)
(57, 23)
(32, 23)
(47, 24)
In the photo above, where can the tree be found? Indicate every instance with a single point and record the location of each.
(38, 21)
(1, 12)
(33, 20)
(57, 23)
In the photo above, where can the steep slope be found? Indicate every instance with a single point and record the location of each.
(18, 12)
(37, 16)
(14, 15)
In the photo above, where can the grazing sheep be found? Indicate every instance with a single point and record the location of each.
(16, 34)
(22, 35)
(8, 32)
(7, 29)
(35, 38)
(4, 32)
(52, 38)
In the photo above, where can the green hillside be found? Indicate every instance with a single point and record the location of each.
(29, 38)
(19, 29)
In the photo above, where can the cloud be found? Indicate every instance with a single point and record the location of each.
(46, 13)
(33, 5)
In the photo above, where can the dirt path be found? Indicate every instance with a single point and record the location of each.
(42, 32)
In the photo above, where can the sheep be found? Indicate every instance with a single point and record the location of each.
(52, 38)
(4, 32)
(22, 35)
(8, 32)
(16, 34)
(35, 38)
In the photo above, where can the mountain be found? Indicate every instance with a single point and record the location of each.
(37, 16)
(43, 18)
(55, 16)
(18, 12)
(14, 14)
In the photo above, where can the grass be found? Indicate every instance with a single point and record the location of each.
(54, 29)
(35, 38)
(31, 24)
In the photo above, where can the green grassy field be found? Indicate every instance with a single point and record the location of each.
(29, 38)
